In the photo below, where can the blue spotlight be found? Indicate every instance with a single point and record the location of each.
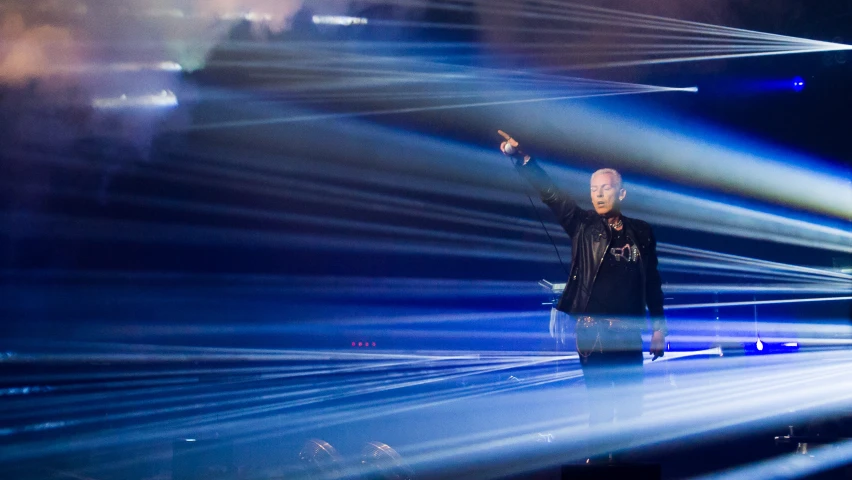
(798, 84)
(769, 348)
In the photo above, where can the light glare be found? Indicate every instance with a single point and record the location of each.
(165, 99)
(338, 20)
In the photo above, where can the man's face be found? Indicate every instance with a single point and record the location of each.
(606, 194)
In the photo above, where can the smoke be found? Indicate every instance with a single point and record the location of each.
(44, 38)
(59, 60)
(276, 11)
(190, 28)
(107, 49)
(27, 51)
(36, 92)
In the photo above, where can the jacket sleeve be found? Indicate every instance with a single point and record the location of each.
(567, 212)
(654, 288)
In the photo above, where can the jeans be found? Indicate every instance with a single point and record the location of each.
(614, 376)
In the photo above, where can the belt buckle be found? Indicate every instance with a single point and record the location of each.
(586, 321)
(611, 324)
(618, 325)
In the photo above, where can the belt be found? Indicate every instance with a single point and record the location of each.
(617, 324)
(599, 333)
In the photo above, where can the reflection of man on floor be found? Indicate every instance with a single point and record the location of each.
(613, 280)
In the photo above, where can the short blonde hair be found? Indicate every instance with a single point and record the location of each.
(614, 173)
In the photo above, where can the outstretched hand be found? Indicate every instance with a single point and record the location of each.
(658, 345)
(510, 147)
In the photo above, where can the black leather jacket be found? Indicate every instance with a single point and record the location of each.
(590, 238)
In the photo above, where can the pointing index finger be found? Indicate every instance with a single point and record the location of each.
(508, 138)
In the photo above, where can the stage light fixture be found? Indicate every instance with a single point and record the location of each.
(320, 457)
(381, 462)
(798, 84)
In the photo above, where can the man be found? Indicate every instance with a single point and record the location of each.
(613, 280)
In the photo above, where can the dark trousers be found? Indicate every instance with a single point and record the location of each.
(614, 376)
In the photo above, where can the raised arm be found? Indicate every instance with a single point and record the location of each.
(567, 212)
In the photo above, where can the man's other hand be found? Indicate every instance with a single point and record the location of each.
(658, 345)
